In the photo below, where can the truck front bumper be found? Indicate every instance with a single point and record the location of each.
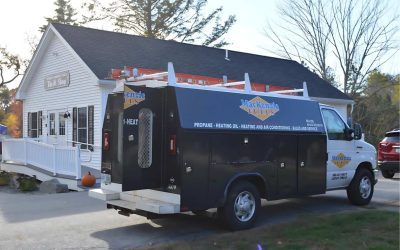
(375, 176)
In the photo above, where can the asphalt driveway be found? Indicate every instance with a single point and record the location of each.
(73, 220)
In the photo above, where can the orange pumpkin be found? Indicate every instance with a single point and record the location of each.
(88, 180)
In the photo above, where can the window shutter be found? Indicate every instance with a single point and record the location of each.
(29, 124)
(90, 126)
(40, 123)
(74, 126)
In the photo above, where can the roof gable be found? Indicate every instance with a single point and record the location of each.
(103, 50)
(48, 36)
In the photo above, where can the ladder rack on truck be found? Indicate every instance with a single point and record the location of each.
(170, 146)
(164, 79)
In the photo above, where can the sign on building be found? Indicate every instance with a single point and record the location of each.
(56, 81)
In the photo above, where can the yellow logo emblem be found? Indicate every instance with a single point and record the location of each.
(132, 98)
(341, 160)
(260, 108)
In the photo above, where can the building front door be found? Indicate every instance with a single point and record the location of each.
(56, 127)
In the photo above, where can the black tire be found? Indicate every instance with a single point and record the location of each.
(361, 188)
(229, 214)
(387, 174)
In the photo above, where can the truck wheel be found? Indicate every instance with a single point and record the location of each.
(361, 188)
(241, 207)
(387, 174)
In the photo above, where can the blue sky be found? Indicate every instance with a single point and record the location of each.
(21, 18)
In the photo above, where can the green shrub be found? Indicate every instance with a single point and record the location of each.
(4, 178)
(27, 183)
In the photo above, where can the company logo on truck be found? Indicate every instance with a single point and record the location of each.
(259, 108)
(341, 160)
(132, 98)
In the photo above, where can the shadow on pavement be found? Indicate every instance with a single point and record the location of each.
(188, 227)
(177, 227)
(17, 207)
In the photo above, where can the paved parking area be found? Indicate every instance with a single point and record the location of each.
(73, 220)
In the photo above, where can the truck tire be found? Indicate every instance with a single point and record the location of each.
(387, 174)
(241, 207)
(361, 188)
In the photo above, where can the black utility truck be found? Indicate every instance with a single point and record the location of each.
(172, 147)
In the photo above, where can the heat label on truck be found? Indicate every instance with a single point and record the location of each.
(202, 109)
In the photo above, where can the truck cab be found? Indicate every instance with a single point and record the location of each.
(171, 147)
(347, 151)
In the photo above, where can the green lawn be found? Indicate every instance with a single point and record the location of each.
(357, 230)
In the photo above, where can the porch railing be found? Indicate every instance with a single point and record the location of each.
(52, 158)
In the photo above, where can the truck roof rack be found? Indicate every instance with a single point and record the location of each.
(163, 79)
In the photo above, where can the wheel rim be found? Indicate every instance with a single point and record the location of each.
(365, 187)
(245, 205)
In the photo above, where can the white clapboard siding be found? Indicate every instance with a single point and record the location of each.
(83, 91)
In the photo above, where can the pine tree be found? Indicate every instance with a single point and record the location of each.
(179, 20)
(64, 14)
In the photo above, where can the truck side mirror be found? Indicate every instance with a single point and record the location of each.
(357, 131)
(349, 133)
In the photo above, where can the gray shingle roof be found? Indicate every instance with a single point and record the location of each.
(104, 50)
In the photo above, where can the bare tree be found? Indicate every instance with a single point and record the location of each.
(359, 34)
(12, 64)
(306, 38)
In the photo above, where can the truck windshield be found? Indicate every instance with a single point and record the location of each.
(335, 127)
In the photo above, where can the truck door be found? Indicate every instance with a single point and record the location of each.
(112, 149)
(340, 167)
(142, 138)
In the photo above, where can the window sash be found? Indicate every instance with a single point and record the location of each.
(52, 124)
(33, 125)
(82, 126)
(61, 123)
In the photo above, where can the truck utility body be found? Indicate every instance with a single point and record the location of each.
(171, 148)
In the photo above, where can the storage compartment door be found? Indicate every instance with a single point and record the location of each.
(195, 167)
(312, 164)
(285, 147)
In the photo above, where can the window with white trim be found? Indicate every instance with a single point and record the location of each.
(34, 124)
(61, 123)
(52, 119)
(82, 127)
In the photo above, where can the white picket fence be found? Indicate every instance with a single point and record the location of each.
(53, 158)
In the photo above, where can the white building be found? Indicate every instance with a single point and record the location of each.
(64, 90)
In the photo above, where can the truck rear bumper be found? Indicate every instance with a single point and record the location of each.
(135, 202)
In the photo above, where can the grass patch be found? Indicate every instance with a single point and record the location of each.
(374, 229)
